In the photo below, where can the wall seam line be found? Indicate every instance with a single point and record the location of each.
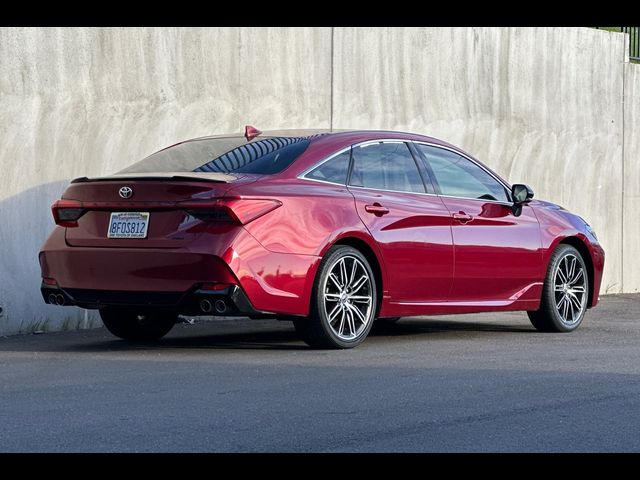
(331, 82)
(624, 139)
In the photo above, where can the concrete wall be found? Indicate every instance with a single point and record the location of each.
(631, 180)
(91, 101)
(543, 106)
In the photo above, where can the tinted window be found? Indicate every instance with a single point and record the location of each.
(459, 177)
(226, 155)
(333, 170)
(268, 156)
(386, 166)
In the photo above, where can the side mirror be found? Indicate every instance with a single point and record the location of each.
(521, 194)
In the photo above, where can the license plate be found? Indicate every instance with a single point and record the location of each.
(128, 225)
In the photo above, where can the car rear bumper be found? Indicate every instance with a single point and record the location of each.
(136, 270)
(264, 281)
(229, 301)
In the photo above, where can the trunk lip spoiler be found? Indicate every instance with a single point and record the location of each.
(151, 176)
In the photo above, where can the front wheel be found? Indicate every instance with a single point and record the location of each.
(134, 325)
(343, 303)
(565, 292)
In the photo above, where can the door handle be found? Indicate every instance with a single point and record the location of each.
(462, 217)
(376, 209)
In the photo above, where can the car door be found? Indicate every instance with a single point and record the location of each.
(411, 228)
(498, 255)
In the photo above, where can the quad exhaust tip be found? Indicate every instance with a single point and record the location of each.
(56, 299)
(205, 306)
(221, 306)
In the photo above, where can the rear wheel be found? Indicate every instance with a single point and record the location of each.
(136, 325)
(343, 303)
(565, 292)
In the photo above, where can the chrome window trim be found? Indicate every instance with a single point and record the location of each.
(324, 181)
(392, 191)
(373, 142)
(499, 202)
(302, 176)
(506, 204)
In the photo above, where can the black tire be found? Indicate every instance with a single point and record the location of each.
(137, 325)
(548, 317)
(316, 330)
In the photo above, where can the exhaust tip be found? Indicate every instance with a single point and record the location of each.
(205, 306)
(221, 306)
(52, 299)
(60, 300)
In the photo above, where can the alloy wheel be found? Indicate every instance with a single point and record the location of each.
(348, 298)
(570, 289)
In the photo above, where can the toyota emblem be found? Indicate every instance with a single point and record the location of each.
(126, 192)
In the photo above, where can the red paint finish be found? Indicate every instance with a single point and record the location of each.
(497, 253)
(415, 227)
(559, 226)
(435, 254)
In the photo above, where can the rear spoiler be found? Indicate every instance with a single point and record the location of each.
(175, 176)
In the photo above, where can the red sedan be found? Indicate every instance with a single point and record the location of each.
(331, 230)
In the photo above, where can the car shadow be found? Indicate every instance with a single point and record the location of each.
(426, 326)
(258, 340)
(25, 224)
(272, 335)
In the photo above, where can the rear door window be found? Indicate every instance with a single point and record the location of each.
(386, 166)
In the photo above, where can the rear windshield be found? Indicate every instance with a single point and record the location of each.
(225, 155)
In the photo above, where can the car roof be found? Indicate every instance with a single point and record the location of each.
(324, 142)
(330, 135)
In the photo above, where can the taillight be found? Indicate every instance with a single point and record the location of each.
(237, 210)
(67, 212)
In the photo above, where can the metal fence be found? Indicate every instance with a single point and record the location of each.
(634, 39)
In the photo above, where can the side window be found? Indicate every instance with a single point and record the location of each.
(386, 166)
(333, 170)
(459, 177)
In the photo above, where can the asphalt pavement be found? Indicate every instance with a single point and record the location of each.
(468, 383)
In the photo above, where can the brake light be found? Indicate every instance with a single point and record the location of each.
(248, 210)
(67, 212)
(237, 210)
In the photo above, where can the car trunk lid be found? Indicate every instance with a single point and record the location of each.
(162, 196)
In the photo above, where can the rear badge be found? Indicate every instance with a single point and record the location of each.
(125, 192)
